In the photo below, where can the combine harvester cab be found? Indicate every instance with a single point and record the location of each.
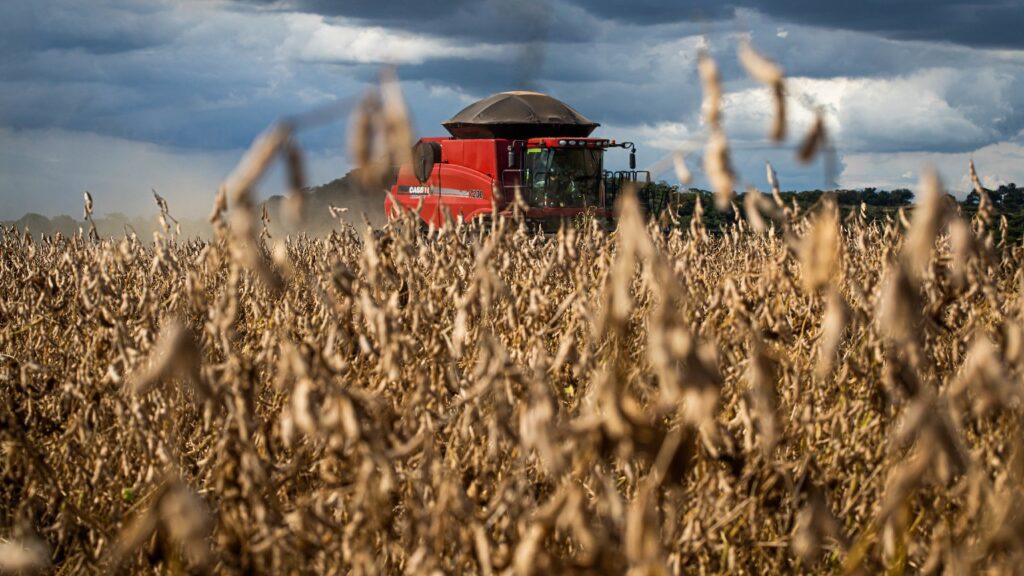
(515, 141)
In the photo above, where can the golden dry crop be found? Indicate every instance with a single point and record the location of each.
(482, 400)
(801, 393)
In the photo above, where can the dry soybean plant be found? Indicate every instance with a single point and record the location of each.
(804, 393)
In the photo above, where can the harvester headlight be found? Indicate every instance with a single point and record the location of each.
(572, 142)
(561, 142)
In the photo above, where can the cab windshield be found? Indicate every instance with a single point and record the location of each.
(562, 177)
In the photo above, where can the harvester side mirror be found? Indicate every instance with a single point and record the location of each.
(632, 159)
(424, 156)
(511, 157)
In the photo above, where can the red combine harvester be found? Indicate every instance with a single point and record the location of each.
(514, 140)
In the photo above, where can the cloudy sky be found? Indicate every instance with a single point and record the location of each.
(121, 96)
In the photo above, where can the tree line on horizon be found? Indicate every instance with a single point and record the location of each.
(346, 192)
(1007, 200)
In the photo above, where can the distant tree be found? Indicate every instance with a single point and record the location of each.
(901, 197)
(1009, 198)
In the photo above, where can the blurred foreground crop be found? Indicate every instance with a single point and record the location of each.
(800, 393)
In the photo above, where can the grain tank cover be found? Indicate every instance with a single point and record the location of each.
(519, 115)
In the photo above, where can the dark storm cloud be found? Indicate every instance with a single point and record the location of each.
(532, 28)
(986, 23)
(656, 11)
(489, 20)
(150, 72)
(92, 28)
(387, 10)
(471, 76)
